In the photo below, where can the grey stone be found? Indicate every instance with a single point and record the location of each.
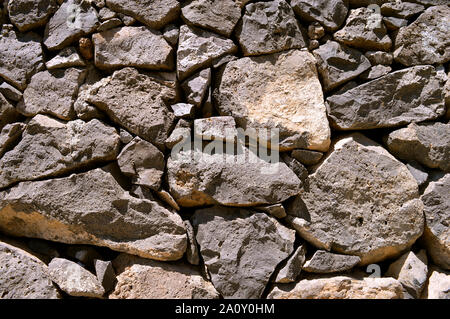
(401, 9)
(74, 279)
(23, 275)
(375, 72)
(360, 201)
(380, 57)
(143, 162)
(9, 136)
(192, 253)
(428, 144)
(105, 14)
(217, 128)
(8, 113)
(241, 265)
(82, 108)
(171, 34)
(199, 49)
(438, 285)
(411, 95)
(73, 19)
(338, 64)
(180, 134)
(127, 20)
(196, 87)
(276, 210)
(138, 102)
(324, 262)
(418, 172)
(10, 92)
(425, 41)
(30, 14)
(269, 27)
(105, 274)
(92, 208)
(364, 29)
(183, 110)
(168, 199)
(109, 24)
(220, 16)
(125, 136)
(429, 3)
(292, 267)
(329, 13)
(67, 58)
(296, 167)
(154, 13)
(393, 24)
(307, 157)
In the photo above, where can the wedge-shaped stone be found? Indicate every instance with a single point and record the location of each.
(8, 113)
(438, 285)
(30, 14)
(67, 58)
(329, 13)
(9, 135)
(324, 262)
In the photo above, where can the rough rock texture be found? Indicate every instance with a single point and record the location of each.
(292, 267)
(379, 57)
(105, 274)
(23, 276)
(375, 72)
(329, 13)
(428, 144)
(192, 253)
(438, 285)
(50, 148)
(130, 46)
(426, 40)
(276, 91)
(338, 64)
(197, 179)
(437, 217)
(307, 157)
(147, 279)
(30, 14)
(234, 262)
(10, 92)
(74, 279)
(138, 102)
(9, 135)
(401, 9)
(360, 201)
(323, 262)
(8, 113)
(410, 95)
(67, 58)
(20, 56)
(220, 16)
(181, 133)
(153, 13)
(196, 87)
(92, 208)
(183, 110)
(217, 128)
(341, 288)
(269, 27)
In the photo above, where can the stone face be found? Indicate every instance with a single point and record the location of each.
(329, 13)
(242, 179)
(293, 266)
(218, 128)
(341, 288)
(379, 57)
(196, 87)
(425, 41)
(276, 91)
(138, 102)
(192, 253)
(338, 64)
(143, 162)
(269, 27)
(307, 157)
(199, 49)
(241, 265)
(50, 148)
(52, 92)
(67, 58)
(8, 113)
(10, 92)
(401, 9)
(418, 172)
(181, 133)
(323, 262)
(153, 13)
(375, 72)
(106, 275)
(9, 135)
(438, 285)
(437, 216)
(276, 210)
(360, 201)
(20, 57)
(183, 110)
(364, 29)
(92, 208)
(130, 46)
(428, 144)
(220, 16)
(30, 14)
(74, 19)
(23, 275)
(410, 95)
(74, 279)
(147, 279)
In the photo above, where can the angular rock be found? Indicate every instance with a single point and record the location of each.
(67, 58)
(180, 134)
(106, 13)
(393, 24)
(199, 49)
(8, 113)
(82, 108)
(411, 270)
(364, 29)
(425, 41)
(293, 266)
(26, 46)
(153, 13)
(86, 48)
(24, 276)
(437, 214)
(125, 137)
(315, 31)
(198, 179)
(192, 253)
(168, 199)
(379, 57)
(147, 279)
(401, 9)
(276, 91)
(418, 172)
(92, 208)
(375, 72)
(338, 64)
(276, 210)
(220, 16)
(10, 92)
(138, 102)
(9, 136)
(438, 285)
(171, 34)
(307, 157)
(50, 148)
(323, 262)
(129, 46)
(329, 13)
(410, 95)
(74, 19)
(52, 92)
(143, 162)
(196, 87)
(341, 288)
(30, 14)
(74, 279)
(106, 275)
(183, 110)
(269, 27)
(428, 144)
(296, 167)
(109, 24)
(241, 265)
(361, 201)
(218, 128)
